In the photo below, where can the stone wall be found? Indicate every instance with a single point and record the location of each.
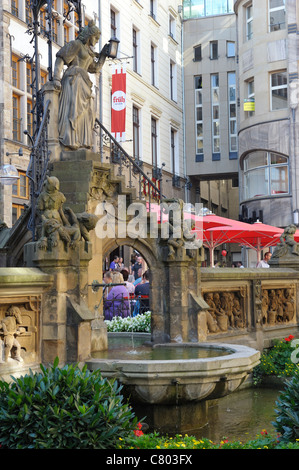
(21, 319)
(249, 306)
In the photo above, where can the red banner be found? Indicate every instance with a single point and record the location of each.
(118, 103)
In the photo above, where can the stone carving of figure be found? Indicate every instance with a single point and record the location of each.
(10, 330)
(279, 297)
(58, 223)
(221, 317)
(287, 243)
(76, 116)
(265, 305)
(211, 313)
(237, 313)
(273, 306)
(288, 304)
(187, 238)
(227, 305)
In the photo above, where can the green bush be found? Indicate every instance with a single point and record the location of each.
(63, 408)
(287, 420)
(277, 361)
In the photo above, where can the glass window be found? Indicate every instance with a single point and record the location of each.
(276, 15)
(136, 130)
(200, 8)
(279, 90)
(197, 53)
(232, 111)
(198, 115)
(215, 113)
(214, 50)
(249, 20)
(265, 174)
(230, 49)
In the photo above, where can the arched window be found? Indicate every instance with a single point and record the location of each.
(265, 174)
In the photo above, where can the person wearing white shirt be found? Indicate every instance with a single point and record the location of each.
(264, 262)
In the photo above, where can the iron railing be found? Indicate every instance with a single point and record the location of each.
(149, 189)
(38, 166)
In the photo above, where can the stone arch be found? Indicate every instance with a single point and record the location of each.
(141, 245)
(157, 276)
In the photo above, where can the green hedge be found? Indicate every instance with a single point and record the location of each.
(63, 408)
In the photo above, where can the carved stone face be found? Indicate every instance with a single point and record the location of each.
(52, 183)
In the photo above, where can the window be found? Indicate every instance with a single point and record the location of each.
(249, 21)
(15, 7)
(29, 119)
(153, 9)
(42, 21)
(172, 26)
(21, 187)
(28, 78)
(198, 115)
(17, 210)
(28, 12)
(230, 49)
(265, 174)
(153, 65)
(15, 70)
(154, 141)
(43, 77)
(214, 50)
(173, 151)
(16, 121)
(232, 106)
(215, 113)
(197, 53)
(136, 133)
(277, 14)
(135, 44)
(250, 95)
(173, 81)
(200, 8)
(66, 34)
(113, 27)
(279, 90)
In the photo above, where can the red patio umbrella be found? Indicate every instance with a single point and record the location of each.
(256, 236)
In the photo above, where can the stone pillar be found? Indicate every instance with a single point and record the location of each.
(51, 94)
(66, 321)
(176, 317)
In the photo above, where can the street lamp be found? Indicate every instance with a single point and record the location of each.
(113, 48)
(8, 172)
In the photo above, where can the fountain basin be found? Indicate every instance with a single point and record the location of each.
(179, 381)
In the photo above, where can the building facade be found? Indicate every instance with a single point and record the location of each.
(211, 102)
(268, 112)
(149, 49)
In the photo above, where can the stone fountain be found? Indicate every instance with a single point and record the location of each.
(170, 392)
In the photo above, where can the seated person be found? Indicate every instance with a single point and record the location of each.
(117, 302)
(142, 291)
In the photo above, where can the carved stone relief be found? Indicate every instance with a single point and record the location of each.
(101, 186)
(226, 310)
(19, 329)
(278, 305)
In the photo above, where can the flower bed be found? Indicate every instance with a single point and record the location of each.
(279, 361)
(140, 323)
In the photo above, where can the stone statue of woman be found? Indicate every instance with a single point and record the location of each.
(76, 116)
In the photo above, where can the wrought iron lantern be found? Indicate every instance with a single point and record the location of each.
(113, 48)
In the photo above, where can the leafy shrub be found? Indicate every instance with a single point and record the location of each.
(140, 323)
(277, 361)
(287, 420)
(63, 408)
